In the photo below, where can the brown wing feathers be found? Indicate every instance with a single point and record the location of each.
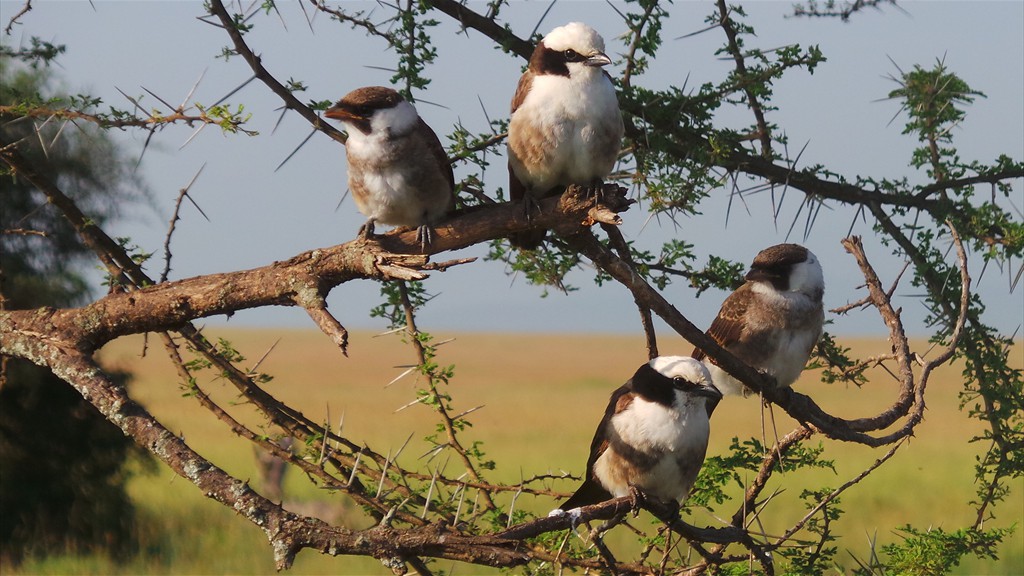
(727, 328)
(437, 151)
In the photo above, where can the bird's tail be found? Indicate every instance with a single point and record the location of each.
(530, 240)
(589, 493)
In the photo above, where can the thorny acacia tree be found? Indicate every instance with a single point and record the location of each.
(674, 156)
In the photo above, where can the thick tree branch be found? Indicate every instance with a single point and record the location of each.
(167, 306)
(76, 368)
(130, 276)
(812, 185)
(488, 27)
(287, 532)
(117, 263)
(301, 281)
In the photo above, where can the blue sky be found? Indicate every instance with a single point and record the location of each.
(259, 214)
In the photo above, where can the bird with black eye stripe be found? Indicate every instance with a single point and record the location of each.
(566, 127)
(653, 437)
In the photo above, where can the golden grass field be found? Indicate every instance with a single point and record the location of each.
(542, 396)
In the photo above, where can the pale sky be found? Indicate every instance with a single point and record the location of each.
(259, 215)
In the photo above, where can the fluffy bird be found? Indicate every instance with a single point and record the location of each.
(566, 127)
(653, 436)
(773, 320)
(398, 172)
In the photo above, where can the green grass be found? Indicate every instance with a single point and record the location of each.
(541, 404)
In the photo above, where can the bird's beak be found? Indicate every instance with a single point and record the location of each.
(708, 391)
(339, 113)
(598, 59)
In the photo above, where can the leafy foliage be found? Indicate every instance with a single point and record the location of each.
(935, 551)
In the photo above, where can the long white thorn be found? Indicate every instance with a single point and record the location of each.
(383, 474)
(355, 466)
(430, 492)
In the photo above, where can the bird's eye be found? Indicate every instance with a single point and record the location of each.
(572, 55)
(682, 383)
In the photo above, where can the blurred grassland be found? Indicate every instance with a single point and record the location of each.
(543, 396)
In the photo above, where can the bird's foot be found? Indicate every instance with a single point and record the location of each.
(530, 206)
(595, 190)
(748, 392)
(637, 499)
(425, 236)
(366, 230)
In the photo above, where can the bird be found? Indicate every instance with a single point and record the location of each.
(773, 320)
(398, 171)
(566, 127)
(653, 436)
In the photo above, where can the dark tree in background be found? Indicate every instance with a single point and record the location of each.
(62, 464)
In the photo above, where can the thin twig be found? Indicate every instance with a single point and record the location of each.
(175, 216)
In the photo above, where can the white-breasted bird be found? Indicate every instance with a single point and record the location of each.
(566, 127)
(773, 320)
(398, 171)
(653, 436)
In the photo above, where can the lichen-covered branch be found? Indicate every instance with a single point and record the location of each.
(143, 306)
